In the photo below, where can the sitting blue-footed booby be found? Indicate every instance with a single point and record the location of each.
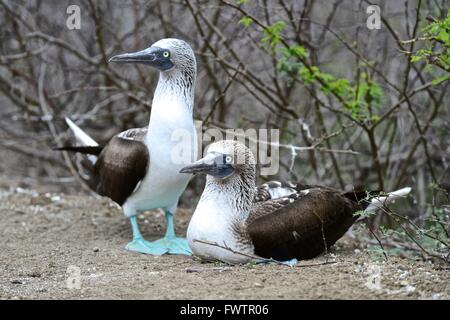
(237, 222)
(138, 168)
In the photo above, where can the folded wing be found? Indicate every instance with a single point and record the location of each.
(301, 225)
(122, 164)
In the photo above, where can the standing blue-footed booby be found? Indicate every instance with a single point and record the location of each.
(237, 222)
(138, 168)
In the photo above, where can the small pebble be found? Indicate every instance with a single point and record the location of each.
(437, 296)
(96, 249)
(55, 198)
(410, 289)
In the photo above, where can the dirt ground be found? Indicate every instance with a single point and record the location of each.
(47, 238)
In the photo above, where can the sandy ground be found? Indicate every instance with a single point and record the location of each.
(47, 238)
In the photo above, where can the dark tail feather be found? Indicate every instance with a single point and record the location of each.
(84, 167)
(94, 150)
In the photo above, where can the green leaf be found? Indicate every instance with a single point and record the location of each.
(295, 51)
(438, 55)
(375, 119)
(443, 36)
(416, 58)
(246, 21)
(439, 80)
(273, 34)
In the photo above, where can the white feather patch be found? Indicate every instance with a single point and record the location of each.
(82, 138)
(280, 192)
(379, 202)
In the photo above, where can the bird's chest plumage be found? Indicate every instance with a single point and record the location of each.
(172, 144)
(215, 222)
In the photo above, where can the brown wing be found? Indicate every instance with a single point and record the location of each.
(300, 228)
(122, 163)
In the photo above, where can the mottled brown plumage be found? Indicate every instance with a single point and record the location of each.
(300, 228)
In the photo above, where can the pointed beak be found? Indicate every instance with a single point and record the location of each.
(153, 56)
(205, 165)
(144, 56)
(198, 168)
(212, 165)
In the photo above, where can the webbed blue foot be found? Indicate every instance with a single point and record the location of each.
(290, 263)
(139, 244)
(143, 246)
(171, 245)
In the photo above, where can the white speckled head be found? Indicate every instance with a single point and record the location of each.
(240, 153)
(175, 60)
(240, 164)
(166, 55)
(225, 161)
(179, 51)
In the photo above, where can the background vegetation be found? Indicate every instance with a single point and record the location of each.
(310, 68)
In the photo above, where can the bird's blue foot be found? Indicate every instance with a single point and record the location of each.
(290, 263)
(139, 244)
(142, 246)
(171, 245)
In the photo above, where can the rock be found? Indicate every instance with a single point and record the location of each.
(40, 200)
(34, 274)
(16, 281)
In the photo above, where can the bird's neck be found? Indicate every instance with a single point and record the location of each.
(171, 131)
(172, 103)
(175, 89)
(236, 195)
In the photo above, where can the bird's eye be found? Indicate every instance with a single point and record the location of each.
(166, 54)
(228, 159)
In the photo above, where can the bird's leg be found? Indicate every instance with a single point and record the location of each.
(139, 244)
(170, 230)
(135, 228)
(171, 243)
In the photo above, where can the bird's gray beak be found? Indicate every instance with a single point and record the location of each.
(144, 56)
(153, 56)
(198, 168)
(205, 165)
(212, 165)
